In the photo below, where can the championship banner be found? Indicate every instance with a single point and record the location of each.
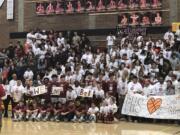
(39, 90)
(1, 2)
(156, 107)
(56, 91)
(10, 9)
(86, 93)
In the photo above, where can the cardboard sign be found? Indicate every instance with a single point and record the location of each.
(39, 90)
(86, 93)
(56, 91)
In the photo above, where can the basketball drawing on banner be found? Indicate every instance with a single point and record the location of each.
(86, 93)
(56, 91)
(153, 104)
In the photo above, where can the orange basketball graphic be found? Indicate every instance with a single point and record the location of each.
(154, 104)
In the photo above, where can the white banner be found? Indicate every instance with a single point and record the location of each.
(39, 90)
(56, 91)
(86, 93)
(1, 2)
(10, 9)
(157, 107)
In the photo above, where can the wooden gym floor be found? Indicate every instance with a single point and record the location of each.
(118, 128)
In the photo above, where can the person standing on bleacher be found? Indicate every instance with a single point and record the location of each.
(2, 93)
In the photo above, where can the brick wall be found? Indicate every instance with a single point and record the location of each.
(6, 26)
(60, 22)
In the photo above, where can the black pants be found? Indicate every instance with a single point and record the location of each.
(121, 102)
(6, 103)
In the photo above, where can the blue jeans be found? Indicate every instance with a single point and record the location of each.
(109, 47)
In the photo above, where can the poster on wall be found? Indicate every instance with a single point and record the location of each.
(80, 6)
(10, 9)
(40, 9)
(156, 4)
(140, 18)
(90, 5)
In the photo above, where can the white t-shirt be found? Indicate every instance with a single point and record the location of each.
(87, 57)
(60, 41)
(28, 75)
(122, 87)
(99, 93)
(113, 108)
(71, 95)
(12, 83)
(93, 110)
(134, 87)
(110, 40)
(159, 89)
(18, 92)
(149, 90)
(104, 109)
(167, 34)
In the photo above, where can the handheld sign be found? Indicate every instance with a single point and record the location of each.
(56, 91)
(86, 93)
(39, 90)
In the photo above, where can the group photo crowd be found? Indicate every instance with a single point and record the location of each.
(58, 76)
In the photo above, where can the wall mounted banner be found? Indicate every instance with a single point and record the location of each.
(1, 2)
(156, 107)
(10, 9)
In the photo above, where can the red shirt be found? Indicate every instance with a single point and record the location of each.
(2, 93)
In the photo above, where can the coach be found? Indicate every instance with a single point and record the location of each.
(2, 93)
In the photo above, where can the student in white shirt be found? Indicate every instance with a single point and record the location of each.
(88, 57)
(28, 74)
(77, 88)
(60, 39)
(110, 41)
(148, 89)
(13, 82)
(17, 94)
(168, 34)
(99, 92)
(71, 94)
(160, 87)
(92, 112)
(134, 86)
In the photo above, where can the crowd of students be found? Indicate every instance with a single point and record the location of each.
(142, 65)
